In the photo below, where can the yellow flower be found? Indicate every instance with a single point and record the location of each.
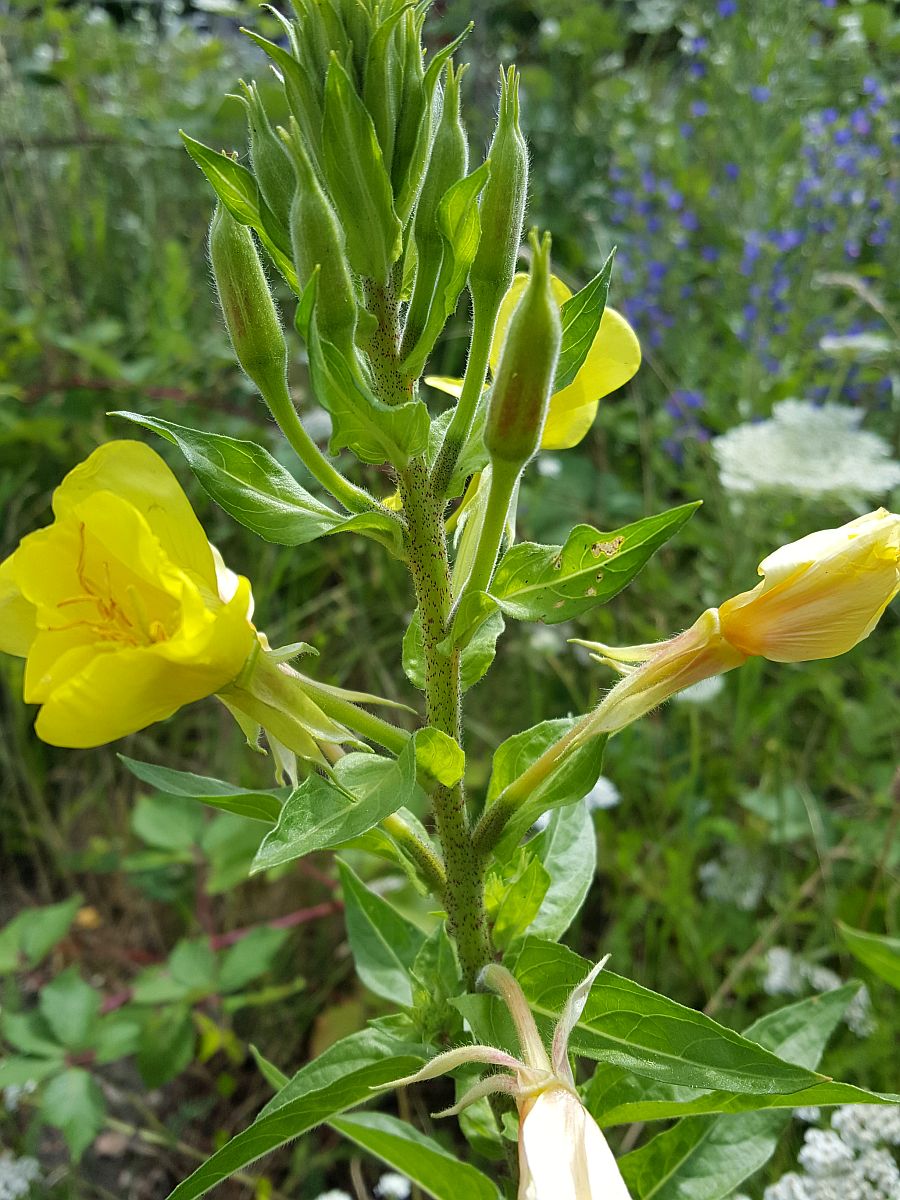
(562, 1153)
(819, 597)
(611, 361)
(120, 607)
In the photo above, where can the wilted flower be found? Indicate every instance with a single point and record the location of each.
(562, 1153)
(808, 450)
(819, 597)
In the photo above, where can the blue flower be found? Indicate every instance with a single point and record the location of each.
(699, 108)
(726, 8)
(732, 170)
(760, 93)
(709, 254)
(697, 69)
(690, 221)
(674, 200)
(830, 115)
(843, 136)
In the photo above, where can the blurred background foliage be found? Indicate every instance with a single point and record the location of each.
(742, 158)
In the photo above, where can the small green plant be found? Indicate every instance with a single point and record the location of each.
(364, 202)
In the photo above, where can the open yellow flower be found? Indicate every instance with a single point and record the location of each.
(819, 597)
(119, 606)
(612, 360)
(562, 1153)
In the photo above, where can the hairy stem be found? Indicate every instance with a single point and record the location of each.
(461, 421)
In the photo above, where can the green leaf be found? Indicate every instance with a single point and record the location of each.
(581, 316)
(30, 1033)
(879, 953)
(357, 179)
(258, 805)
(167, 1045)
(341, 1077)
(236, 187)
(569, 782)
(376, 432)
(706, 1158)
(167, 823)
(274, 1076)
(15, 1071)
(193, 964)
(568, 850)
(476, 657)
(322, 814)
(249, 958)
(32, 934)
(520, 903)
(557, 583)
(440, 755)
(117, 1036)
(630, 1026)
(74, 1103)
(254, 488)
(384, 943)
(70, 1007)
(421, 1159)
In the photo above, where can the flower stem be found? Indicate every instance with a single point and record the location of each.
(464, 413)
(504, 477)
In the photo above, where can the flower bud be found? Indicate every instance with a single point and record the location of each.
(318, 241)
(271, 165)
(520, 394)
(247, 304)
(502, 203)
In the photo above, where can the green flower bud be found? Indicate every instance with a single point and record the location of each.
(318, 241)
(247, 304)
(502, 203)
(448, 164)
(520, 393)
(269, 159)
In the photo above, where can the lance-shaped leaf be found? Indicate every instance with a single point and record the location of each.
(254, 803)
(357, 179)
(238, 190)
(301, 95)
(568, 850)
(651, 1035)
(616, 1096)
(374, 431)
(557, 583)
(343, 1076)
(420, 1158)
(323, 813)
(581, 316)
(706, 1158)
(254, 488)
(880, 954)
(384, 943)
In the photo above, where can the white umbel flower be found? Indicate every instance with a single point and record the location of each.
(808, 450)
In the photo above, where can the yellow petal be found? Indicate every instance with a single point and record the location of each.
(446, 384)
(565, 428)
(17, 614)
(562, 1153)
(139, 476)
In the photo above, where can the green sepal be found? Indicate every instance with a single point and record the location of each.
(304, 103)
(354, 169)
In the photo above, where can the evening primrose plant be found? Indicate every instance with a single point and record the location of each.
(364, 201)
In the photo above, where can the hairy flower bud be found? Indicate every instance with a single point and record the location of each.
(318, 241)
(271, 165)
(247, 304)
(520, 394)
(502, 203)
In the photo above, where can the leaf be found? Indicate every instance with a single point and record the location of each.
(419, 1158)
(568, 850)
(74, 1103)
(254, 488)
(193, 964)
(476, 657)
(167, 1045)
(258, 805)
(357, 179)
(33, 933)
(569, 782)
(706, 1158)
(440, 755)
(15, 1071)
(630, 1026)
(322, 814)
(581, 316)
(274, 1076)
(70, 1007)
(236, 187)
(166, 823)
(384, 943)
(557, 583)
(879, 953)
(249, 958)
(520, 903)
(341, 1077)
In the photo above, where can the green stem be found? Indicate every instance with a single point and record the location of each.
(504, 477)
(429, 565)
(376, 729)
(464, 413)
(354, 499)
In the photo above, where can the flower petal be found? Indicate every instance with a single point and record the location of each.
(17, 614)
(562, 1153)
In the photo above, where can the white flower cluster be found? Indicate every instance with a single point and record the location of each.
(13, 1094)
(736, 878)
(809, 450)
(334, 1194)
(852, 1160)
(392, 1186)
(17, 1175)
(788, 974)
